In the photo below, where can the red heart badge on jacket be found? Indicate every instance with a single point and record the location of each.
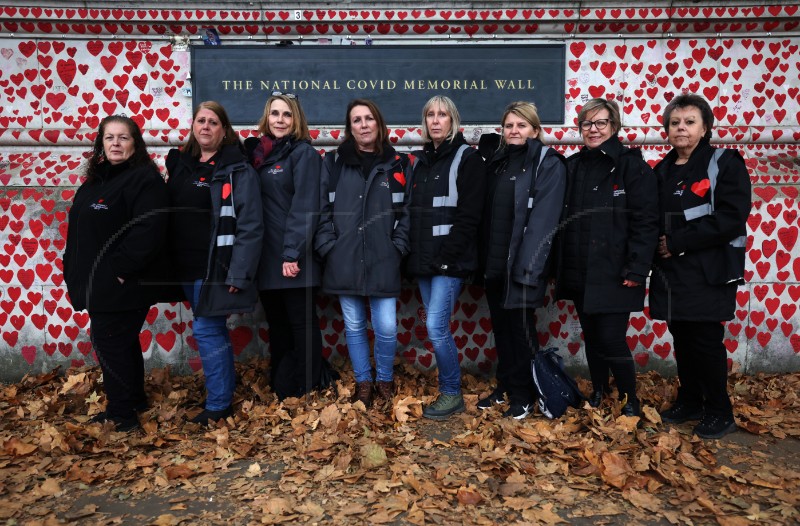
(226, 190)
(400, 177)
(701, 187)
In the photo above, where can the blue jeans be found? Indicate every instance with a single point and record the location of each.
(384, 324)
(439, 294)
(216, 353)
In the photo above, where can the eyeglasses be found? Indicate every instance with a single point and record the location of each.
(282, 94)
(600, 124)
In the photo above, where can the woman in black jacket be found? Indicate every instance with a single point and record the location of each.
(363, 237)
(606, 246)
(446, 204)
(215, 243)
(705, 201)
(117, 228)
(288, 274)
(526, 182)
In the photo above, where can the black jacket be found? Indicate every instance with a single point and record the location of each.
(445, 213)
(231, 169)
(699, 281)
(363, 234)
(537, 207)
(623, 227)
(290, 200)
(117, 228)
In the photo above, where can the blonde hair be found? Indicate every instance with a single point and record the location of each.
(450, 108)
(525, 111)
(299, 124)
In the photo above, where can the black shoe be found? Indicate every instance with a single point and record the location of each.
(596, 398)
(631, 408)
(679, 413)
(715, 426)
(213, 416)
(519, 411)
(122, 424)
(497, 397)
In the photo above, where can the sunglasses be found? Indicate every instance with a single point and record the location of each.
(282, 94)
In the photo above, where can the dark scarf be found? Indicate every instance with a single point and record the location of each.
(265, 146)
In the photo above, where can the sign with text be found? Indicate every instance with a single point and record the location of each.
(481, 79)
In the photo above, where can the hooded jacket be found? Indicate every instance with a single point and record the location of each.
(622, 214)
(446, 205)
(537, 201)
(363, 235)
(117, 228)
(232, 256)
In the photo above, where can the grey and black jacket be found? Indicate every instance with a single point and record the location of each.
(538, 198)
(236, 232)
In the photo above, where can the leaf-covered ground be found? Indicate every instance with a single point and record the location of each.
(324, 460)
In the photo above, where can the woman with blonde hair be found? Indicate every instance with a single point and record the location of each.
(446, 205)
(289, 275)
(526, 182)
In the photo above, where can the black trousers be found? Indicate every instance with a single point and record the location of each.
(702, 366)
(295, 340)
(516, 340)
(115, 336)
(607, 349)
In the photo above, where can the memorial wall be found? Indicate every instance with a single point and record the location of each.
(64, 66)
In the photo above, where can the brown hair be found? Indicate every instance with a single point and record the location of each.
(299, 124)
(229, 137)
(383, 131)
(97, 154)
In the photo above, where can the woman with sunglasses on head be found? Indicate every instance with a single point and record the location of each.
(525, 193)
(446, 206)
(363, 237)
(288, 274)
(606, 244)
(215, 243)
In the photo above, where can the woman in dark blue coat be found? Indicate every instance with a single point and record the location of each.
(705, 201)
(288, 274)
(526, 182)
(363, 237)
(215, 243)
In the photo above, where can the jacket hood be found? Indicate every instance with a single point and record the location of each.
(699, 154)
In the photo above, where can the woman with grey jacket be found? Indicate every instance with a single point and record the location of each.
(288, 274)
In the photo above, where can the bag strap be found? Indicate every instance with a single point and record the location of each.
(334, 163)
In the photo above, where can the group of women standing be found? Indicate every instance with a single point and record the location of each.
(270, 218)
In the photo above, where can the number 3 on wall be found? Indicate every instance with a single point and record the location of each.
(297, 14)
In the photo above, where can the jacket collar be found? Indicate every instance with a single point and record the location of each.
(700, 155)
(432, 155)
(349, 154)
(612, 148)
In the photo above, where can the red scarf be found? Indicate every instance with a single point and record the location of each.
(262, 151)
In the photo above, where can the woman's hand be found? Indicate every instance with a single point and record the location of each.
(630, 283)
(290, 269)
(662, 250)
(233, 290)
